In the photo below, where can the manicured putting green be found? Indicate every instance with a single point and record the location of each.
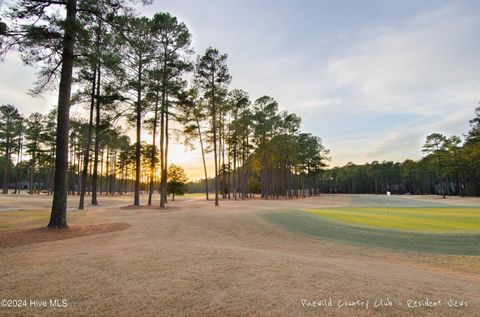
(419, 219)
(453, 231)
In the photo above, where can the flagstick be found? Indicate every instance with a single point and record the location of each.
(388, 208)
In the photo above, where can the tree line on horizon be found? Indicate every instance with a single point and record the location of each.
(130, 69)
(450, 166)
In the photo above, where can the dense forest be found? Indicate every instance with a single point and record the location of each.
(139, 74)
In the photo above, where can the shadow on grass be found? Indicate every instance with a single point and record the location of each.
(449, 244)
(13, 238)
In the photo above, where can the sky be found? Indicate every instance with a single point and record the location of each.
(372, 78)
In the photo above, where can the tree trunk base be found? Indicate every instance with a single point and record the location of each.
(55, 227)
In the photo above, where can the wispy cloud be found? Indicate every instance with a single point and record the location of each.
(15, 81)
(319, 104)
(424, 66)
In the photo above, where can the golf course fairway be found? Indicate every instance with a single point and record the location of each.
(419, 219)
(449, 230)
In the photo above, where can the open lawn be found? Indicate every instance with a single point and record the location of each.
(402, 223)
(374, 235)
(419, 219)
(248, 258)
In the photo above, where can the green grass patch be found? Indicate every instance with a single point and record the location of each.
(453, 243)
(420, 219)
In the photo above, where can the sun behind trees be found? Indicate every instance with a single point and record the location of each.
(129, 69)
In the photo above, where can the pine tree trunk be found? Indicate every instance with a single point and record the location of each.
(242, 177)
(153, 154)
(165, 167)
(19, 159)
(222, 142)
(58, 217)
(89, 142)
(114, 174)
(107, 173)
(136, 200)
(6, 166)
(247, 172)
(214, 122)
(203, 157)
(97, 141)
(163, 188)
(235, 168)
(32, 168)
(101, 179)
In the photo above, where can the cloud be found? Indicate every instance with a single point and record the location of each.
(420, 77)
(424, 67)
(411, 137)
(321, 103)
(15, 82)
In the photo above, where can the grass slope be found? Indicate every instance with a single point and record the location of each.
(308, 223)
(423, 219)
